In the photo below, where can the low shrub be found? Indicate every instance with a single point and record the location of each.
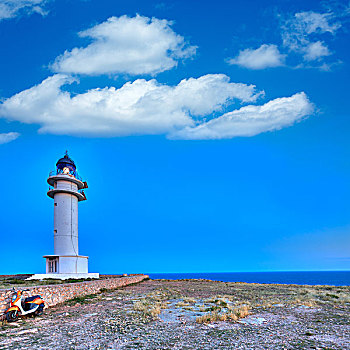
(215, 316)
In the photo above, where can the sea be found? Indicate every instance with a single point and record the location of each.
(334, 278)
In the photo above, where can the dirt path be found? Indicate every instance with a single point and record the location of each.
(163, 314)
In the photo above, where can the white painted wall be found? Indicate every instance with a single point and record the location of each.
(83, 265)
(66, 230)
(66, 220)
(72, 264)
(66, 185)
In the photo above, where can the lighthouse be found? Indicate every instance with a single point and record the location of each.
(66, 188)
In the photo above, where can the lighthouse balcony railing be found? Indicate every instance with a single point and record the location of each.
(80, 191)
(55, 172)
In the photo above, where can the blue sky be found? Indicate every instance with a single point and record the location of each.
(213, 135)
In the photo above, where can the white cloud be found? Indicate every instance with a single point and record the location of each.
(124, 45)
(251, 120)
(312, 22)
(147, 107)
(315, 51)
(13, 8)
(301, 33)
(8, 137)
(303, 40)
(264, 57)
(139, 107)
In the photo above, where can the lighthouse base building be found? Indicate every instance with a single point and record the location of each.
(65, 267)
(67, 190)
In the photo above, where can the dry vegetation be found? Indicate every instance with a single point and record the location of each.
(192, 314)
(152, 304)
(230, 315)
(266, 295)
(237, 300)
(216, 308)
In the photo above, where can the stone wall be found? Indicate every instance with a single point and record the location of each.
(58, 293)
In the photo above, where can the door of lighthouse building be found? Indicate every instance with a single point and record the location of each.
(52, 265)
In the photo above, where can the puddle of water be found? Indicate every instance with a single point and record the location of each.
(179, 314)
(188, 313)
(257, 321)
(89, 315)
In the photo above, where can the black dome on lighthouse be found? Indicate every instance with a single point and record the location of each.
(66, 162)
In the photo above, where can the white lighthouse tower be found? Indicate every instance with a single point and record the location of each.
(67, 190)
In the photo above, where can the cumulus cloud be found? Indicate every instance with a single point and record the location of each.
(8, 137)
(139, 107)
(303, 40)
(301, 33)
(297, 30)
(125, 45)
(185, 111)
(251, 120)
(264, 57)
(315, 51)
(13, 8)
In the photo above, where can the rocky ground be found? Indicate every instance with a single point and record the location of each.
(191, 314)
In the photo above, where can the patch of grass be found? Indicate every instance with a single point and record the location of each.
(309, 334)
(212, 308)
(215, 316)
(182, 304)
(13, 281)
(9, 282)
(189, 300)
(147, 308)
(84, 299)
(221, 302)
(242, 311)
(151, 305)
(332, 296)
(189, 308)
(211, 317)
(305, 302)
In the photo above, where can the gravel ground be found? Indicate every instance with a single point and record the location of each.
(162, 314)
